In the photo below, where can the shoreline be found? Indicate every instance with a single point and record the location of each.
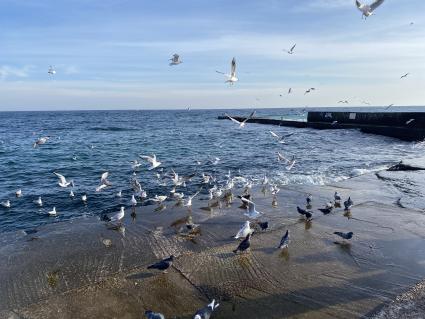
(48, 277)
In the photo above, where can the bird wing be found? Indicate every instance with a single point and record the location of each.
(376, 4)
(274, 134)
(220, 72)
(61, 178)
(233, 67)
(147, 158)
(233, 120)
(358, 4)
(104, 176)
(292, 49)
(249, 117)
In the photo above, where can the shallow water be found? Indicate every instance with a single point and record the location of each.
(108, 140)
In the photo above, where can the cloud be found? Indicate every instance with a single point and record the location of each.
(10, 71)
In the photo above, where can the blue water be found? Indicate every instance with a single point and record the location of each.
(108, 140)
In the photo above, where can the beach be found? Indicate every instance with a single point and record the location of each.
(66, 270)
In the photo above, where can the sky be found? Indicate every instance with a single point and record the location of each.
(113, 54)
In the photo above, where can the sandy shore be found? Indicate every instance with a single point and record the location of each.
(66, 270)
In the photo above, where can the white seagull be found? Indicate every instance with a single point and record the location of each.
(367, 10)
(152, 160)
(71, 194)
(40, 141)
(281, 138)
(189, 199)
(241, 124)
(251, 212)
(18, 193)
(39, 202)
(175, 60)
(103, 182)
(84, 198)
(51, 70)
(133, 201)
(62, 180)
(118, 216)
(231, 78)
(244, 231)
(53, 212)
(5, 204)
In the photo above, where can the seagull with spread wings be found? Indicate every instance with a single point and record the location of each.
(366, 9)
(241, 124)
(291, 51)
(231, 78)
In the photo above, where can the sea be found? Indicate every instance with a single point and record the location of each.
(85, 144)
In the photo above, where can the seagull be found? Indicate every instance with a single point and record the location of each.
(189, 199)
(231, 78)
(159, 199)
(309, 90)
(348, 203)
(290, 91)
(391, 105)
(206, 312)
(244, 231)
(118, 216)
(62, 180)
(133, 201)
(409, 121)
(5, 204)
(291, 51)
(367, 10)
(103, 182)
(152, 160)
(284, 242)
(343, 102)
(308, 215)
(84, 198)
(281, 158)
(251, 212)
(241, 124)
(135, 165)
(175, 60)
(18, 193)
(404, 76)
(39, 202)
(53, 212)
(347, 236)
(281, 138)
(244, 244)
(51, 71)
(40, 141)
(71, 194)
(163, 264)
(291, 163)
(153, 315)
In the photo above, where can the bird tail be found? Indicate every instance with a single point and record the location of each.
(151, 267)
(338, 233)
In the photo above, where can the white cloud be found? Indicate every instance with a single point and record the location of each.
(9, 71)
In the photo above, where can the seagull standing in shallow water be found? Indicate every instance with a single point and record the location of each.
(231, 78)
(367, 10)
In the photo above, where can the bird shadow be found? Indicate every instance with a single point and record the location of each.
(225, 255)
(143, 275)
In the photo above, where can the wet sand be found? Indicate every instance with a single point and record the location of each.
(65, 270)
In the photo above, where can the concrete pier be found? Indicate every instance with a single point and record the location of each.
(409, 126)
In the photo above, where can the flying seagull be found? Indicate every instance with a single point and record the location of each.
(291, 51)
(280, 138)
(251, 212)
(388, 107)
(409, 121)
(103, 182)
(151, 159)
(175, 60)
(40, 141)
(343, 102)
(205, 313)
(51, 70)
(241, 124)
(309, 90)
(231, 78)
(62, 180)
(290, 91)
(367, 10)
(404, 76)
